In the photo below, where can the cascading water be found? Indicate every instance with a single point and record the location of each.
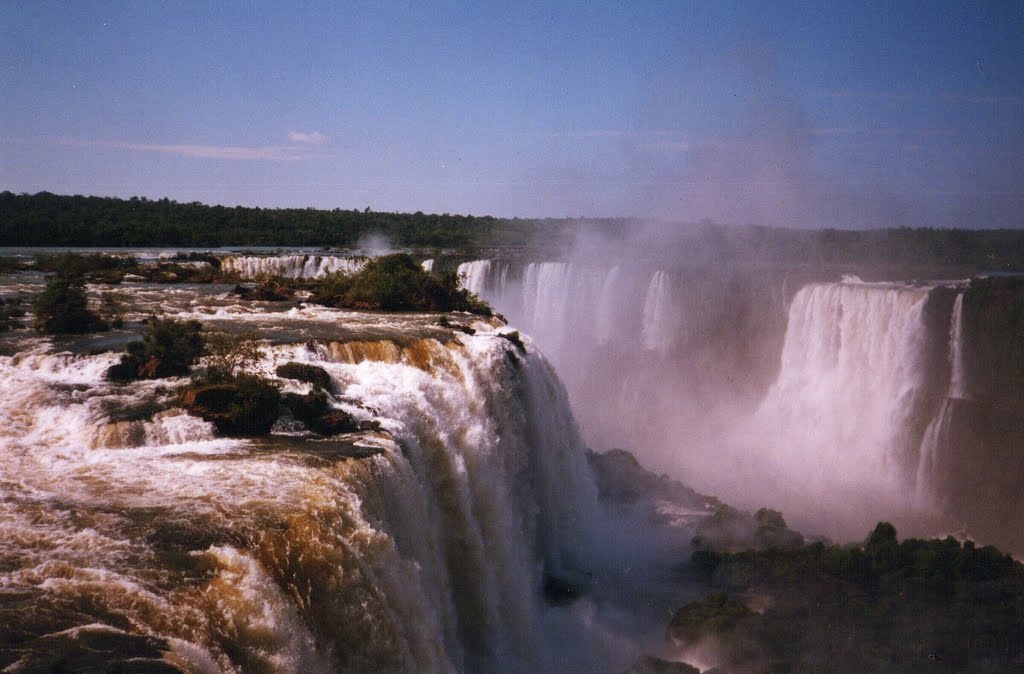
(291, 266)
(423, 546)
(851, 377)
(658, 325)
(474, 275)
(938, 436)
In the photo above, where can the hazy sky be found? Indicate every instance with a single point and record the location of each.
(800, 114)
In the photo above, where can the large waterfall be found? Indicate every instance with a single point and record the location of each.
(842, 393)
(648, 355)
(851, 378)
(422, 546)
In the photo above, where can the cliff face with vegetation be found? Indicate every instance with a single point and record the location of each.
(987, 423)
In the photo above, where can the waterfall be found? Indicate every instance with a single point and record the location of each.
(427, 553)
(851, 377)
(474, 275)
(957, 383)
(291, 266)
(658, 324)
(938, 435)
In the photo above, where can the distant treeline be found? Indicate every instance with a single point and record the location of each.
(46, 219)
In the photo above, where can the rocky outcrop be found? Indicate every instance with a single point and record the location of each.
(648, 664)
(315, 411)
(263, 292)
(243, 408)
(311, 374)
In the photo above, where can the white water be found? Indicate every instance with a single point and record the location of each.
(663, 363)
(428, 557)
(474, 275)
(658, 330)
(851, 374)
(291, 266)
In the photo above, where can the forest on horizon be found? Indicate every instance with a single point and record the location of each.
(47, 219)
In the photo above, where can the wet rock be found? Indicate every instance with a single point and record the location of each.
(311, 374)
(244, 408)
(648, 664)
(516, 340)
(95, 648)
(315, 411)
(560, 591)
(263, 292)
(123, 372)
(336, 422)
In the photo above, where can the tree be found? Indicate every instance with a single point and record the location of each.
(63, 308)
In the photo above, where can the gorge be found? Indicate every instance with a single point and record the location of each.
(465, 528)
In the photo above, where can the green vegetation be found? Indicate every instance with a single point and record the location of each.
(229, 356)
(168, 348)
(10, 311)
(715, 614)
(46, 219)
(85, 264)
(228, 391)
(63, 308)
(396, 283)
(885, 605)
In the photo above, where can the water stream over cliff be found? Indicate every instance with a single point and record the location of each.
(425, 545)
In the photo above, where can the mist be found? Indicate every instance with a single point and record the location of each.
(742, 374)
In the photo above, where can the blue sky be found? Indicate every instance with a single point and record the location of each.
(852, 114)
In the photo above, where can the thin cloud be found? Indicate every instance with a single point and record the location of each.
(307, 137)
(877, 95)
(607, 133)
(189, 150)
(993, 100)
(900, 96)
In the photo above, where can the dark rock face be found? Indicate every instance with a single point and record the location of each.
(263, 292)
(560, 591)
(315, 411)
(96, 648)
(623, 481)
(244, 408)
(515, 339)
(648, 664)
(123, 372)
(311, 374)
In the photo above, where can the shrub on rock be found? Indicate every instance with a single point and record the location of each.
(168, 348)
(245, 407)
(62, 307)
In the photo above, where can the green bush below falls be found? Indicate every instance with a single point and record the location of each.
(884, 606)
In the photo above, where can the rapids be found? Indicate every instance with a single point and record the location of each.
(424, 546)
